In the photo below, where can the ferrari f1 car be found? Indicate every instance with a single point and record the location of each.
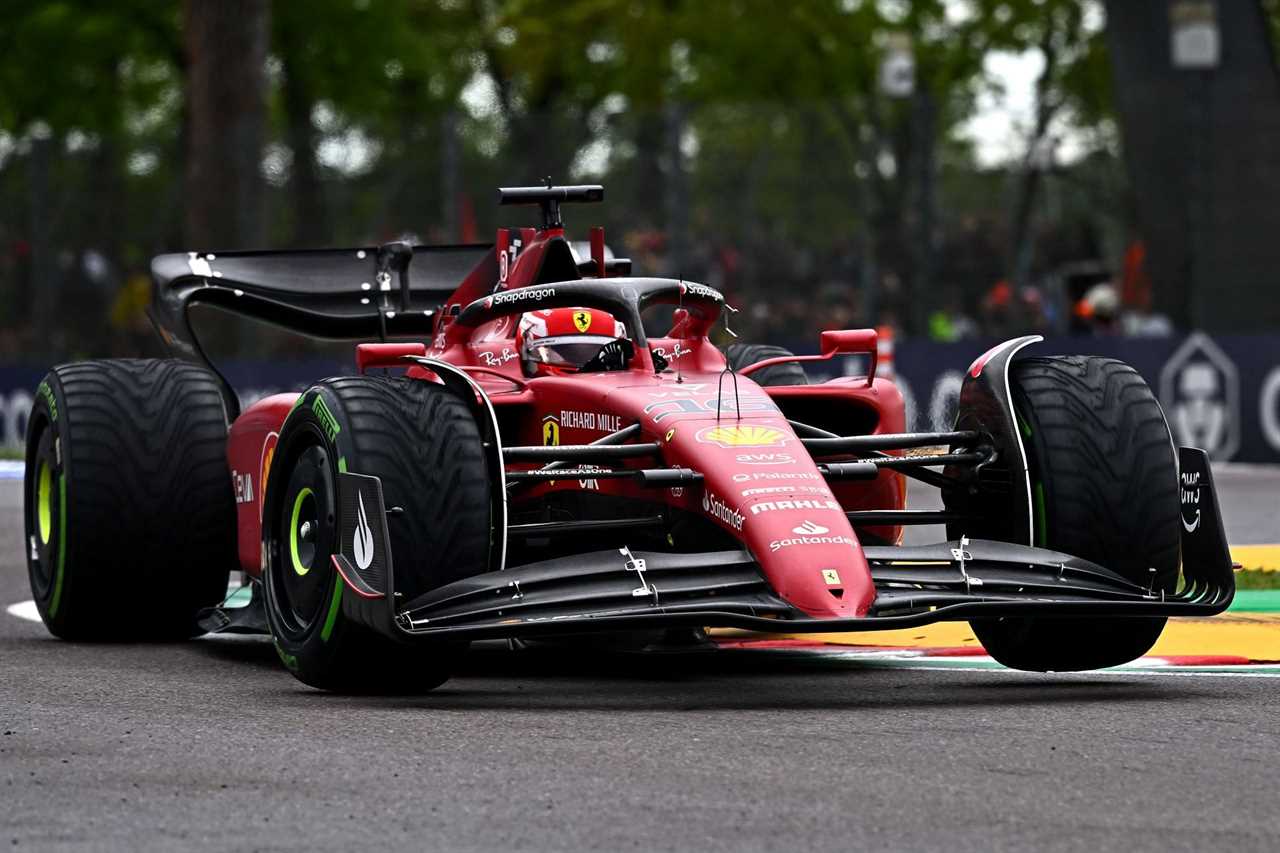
(563, 453)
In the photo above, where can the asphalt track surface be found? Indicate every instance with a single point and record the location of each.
(212, 745)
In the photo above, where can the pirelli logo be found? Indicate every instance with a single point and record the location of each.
(326, 418)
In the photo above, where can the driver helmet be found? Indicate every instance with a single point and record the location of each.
(559, 341)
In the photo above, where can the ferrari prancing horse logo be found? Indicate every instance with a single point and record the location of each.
(582, 320)
(550, 431)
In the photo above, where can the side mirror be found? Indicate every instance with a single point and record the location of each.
(851, 342)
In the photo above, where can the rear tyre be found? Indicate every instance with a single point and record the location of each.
(423, 443)
(790, 373)
(127, 488)
(1104, 487)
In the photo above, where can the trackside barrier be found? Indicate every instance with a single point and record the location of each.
(252, 381)
(1219, 392)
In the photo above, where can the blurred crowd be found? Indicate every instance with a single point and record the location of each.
(787, 298)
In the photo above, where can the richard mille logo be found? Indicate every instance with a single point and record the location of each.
(362, 542)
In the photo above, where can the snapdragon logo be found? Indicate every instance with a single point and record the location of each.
(701, 290)
(718, 509)
(521, 294)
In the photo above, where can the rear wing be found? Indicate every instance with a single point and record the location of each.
(372, 292)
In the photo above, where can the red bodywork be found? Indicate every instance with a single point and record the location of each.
(759, 483)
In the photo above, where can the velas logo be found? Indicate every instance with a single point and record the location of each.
(362, 540)
(582, 320)
(808, 528)
(716, 508)
(785, 490)
(742, 436)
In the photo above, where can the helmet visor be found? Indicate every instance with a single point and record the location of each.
(570, 351)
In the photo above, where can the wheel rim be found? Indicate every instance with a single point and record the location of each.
(44, 502)
(44, 518)
(305, 540)
(302, 528)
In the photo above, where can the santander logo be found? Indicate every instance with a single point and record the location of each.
(716, 508)
(362, 541)
(809, 533)
(810, 529)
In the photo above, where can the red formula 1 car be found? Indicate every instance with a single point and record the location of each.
(548, 466)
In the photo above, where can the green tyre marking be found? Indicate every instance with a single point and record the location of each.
(342, 464)
(326, 418)
(43, 390)
(62, 547)
(290, 661)
(335, 604)
(293, 532)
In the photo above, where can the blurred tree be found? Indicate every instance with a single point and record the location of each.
(374, 87)
(225, 51)
(82, 98)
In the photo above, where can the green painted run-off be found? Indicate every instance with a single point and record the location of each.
(1256, 601)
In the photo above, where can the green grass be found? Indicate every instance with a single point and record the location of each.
(1257, 579)
(12, 453)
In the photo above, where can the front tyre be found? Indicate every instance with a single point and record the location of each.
(423, 443)
(1104, 487)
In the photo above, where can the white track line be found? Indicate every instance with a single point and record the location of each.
(24, 610)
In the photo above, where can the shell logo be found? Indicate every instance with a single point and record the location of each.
(742, 436)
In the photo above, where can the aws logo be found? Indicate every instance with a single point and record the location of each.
(742, 436)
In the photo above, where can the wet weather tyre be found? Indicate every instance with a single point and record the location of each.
(423, 443)
(127, 488)
(1104, 487)
(790, 373)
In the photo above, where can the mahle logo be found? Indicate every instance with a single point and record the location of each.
(327, 420)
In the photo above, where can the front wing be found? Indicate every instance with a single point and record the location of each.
(616, 590)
